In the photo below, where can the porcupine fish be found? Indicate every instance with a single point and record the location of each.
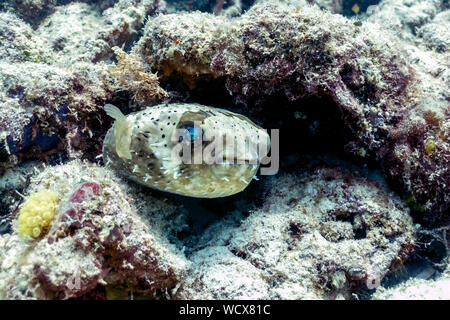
(141, 147)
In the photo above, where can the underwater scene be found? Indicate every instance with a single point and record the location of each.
(224, 149)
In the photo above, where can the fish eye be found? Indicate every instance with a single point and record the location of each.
(195, 133)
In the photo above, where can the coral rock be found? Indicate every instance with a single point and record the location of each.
(315, 237)
(301, 52)
(37, 213)
(97, 242)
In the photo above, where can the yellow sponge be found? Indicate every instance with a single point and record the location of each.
(37, 213)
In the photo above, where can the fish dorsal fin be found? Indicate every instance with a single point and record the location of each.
(113, 112)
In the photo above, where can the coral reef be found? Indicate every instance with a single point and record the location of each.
(223, 275)
(371, 89)
(18, 41)
(50, 93)
(417, 289)
(96, 242)
(317, 236)
(232, 8)
(405, 17)
(419, 153)
(139, 146)
(334, 6)
(80, 42)
(32, 11)
(228, 8)
(300, 52)
(37, 213)
(47, 108)
(130, 74)
(13, 182)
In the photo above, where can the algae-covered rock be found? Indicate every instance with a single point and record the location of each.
(317, 236)
(96, 241)
(372, 89)
(32, 11)
(416, 289)
(298, 52)
(46, 108)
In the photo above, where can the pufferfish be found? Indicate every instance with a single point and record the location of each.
(148, 147)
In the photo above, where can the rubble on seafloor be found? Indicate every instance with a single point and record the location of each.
(316, 236)
(372, 88)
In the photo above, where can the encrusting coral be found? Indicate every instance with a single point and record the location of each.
(37, 213)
